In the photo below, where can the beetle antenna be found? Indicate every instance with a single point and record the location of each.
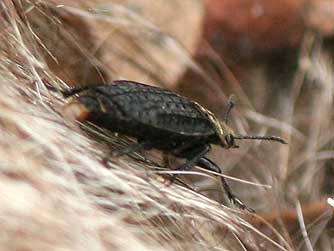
(229, 106)
(273, 138)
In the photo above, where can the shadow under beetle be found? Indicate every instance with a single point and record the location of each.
(158, 119)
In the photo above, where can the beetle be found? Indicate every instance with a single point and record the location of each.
(158, 119)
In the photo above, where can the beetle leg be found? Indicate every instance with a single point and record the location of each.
(195, 155)
(211, 166)
(132, 148)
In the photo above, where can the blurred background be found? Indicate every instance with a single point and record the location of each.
(276, 57)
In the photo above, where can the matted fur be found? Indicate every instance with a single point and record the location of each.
(57, 192)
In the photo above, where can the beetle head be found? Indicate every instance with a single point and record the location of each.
(229, 141)
(227, 135)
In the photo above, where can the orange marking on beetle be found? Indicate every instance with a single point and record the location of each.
(76, 111)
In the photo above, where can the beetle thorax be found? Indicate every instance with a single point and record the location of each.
(223, 131)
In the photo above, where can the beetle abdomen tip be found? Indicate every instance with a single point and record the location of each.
(76, 111)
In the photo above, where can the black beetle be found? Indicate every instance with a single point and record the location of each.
(158, 119)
